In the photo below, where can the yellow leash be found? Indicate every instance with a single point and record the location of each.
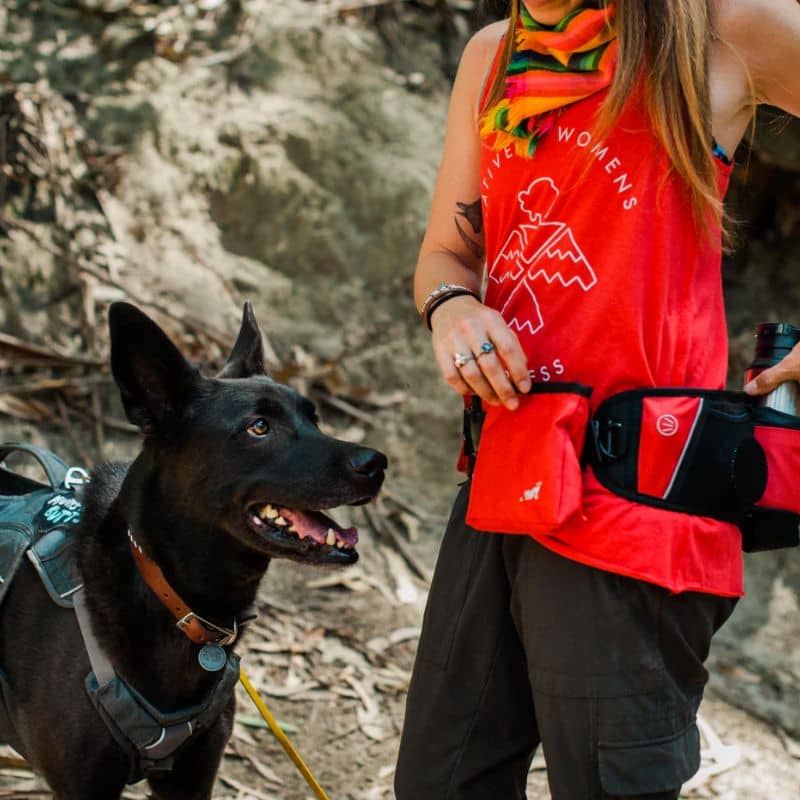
(282, 737)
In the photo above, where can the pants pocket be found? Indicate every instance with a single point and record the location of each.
(634, 768)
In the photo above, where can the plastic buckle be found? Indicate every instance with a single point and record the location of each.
(606, 443)
(75, 477)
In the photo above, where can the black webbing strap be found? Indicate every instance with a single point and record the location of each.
(473, 425)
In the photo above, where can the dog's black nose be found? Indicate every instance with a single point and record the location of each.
(367, 462)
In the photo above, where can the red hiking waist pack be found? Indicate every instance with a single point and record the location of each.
(712, 453)
(527, 476)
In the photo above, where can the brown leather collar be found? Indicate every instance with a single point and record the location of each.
(199, 630)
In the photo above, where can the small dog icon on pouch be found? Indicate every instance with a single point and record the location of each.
(532, 493)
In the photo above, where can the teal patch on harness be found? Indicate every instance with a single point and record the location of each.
(61, 510)
(37, 520)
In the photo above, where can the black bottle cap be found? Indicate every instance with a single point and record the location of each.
(774, 340)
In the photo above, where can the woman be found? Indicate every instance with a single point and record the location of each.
(584, 164)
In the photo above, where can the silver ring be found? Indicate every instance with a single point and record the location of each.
(486, 348)
(460, 359)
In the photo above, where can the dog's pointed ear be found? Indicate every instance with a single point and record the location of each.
(247, 356)
(155, 381)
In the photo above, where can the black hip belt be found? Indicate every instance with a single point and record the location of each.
(711, 453)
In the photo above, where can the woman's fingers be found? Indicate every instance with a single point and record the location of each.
(510, 352)
(471, 372)
(785, 370)
(494, 375)
(468, 379)
(473, 375)
(492, 370)
(449, 371)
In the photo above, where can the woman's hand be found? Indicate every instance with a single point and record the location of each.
(788, 369)
(462, 325)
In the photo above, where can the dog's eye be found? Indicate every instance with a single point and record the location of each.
(258, 427)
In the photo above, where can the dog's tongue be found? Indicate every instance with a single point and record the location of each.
(318, 526)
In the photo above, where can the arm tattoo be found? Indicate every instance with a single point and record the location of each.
(472, 213)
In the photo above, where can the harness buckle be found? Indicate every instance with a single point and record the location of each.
(223, 636)
(75, 477)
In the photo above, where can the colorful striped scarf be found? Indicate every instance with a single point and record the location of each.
(550, 68)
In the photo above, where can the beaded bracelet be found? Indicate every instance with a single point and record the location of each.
(443, 298)
(443, 292)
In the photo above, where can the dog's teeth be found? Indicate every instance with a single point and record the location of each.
(331, 538)
(340, 544)
(280, 520)
(268, 511)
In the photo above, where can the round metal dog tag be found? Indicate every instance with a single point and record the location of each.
(212, 657)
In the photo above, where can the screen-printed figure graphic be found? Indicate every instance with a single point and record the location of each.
(542, 249)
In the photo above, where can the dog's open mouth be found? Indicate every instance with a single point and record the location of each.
(304, 531)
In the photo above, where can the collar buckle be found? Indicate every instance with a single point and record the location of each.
(216, 633)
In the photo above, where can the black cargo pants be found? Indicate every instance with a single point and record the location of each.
(520, 646)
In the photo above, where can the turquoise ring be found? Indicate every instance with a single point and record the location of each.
(486, 348)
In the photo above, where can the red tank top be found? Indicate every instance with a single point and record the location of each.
(594, 260)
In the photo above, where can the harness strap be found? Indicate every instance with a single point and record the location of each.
(101, 666)
(149, 736)
(55, 469)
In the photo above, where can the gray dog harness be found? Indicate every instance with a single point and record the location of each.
(37, 521)
(149, 736)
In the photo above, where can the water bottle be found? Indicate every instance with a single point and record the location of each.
(766, 528)
(774, 341)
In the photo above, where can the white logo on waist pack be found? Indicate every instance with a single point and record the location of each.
(532, 493)
(667, 425)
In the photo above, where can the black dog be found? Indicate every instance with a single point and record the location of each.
(233, 472)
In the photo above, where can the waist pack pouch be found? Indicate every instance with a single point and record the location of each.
(685, 450)
(528, 476)
(779, 436)
(773, 523)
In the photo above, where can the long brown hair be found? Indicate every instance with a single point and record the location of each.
(665, 46)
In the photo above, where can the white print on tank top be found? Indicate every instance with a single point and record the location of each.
(611, 166)
(541, 249)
